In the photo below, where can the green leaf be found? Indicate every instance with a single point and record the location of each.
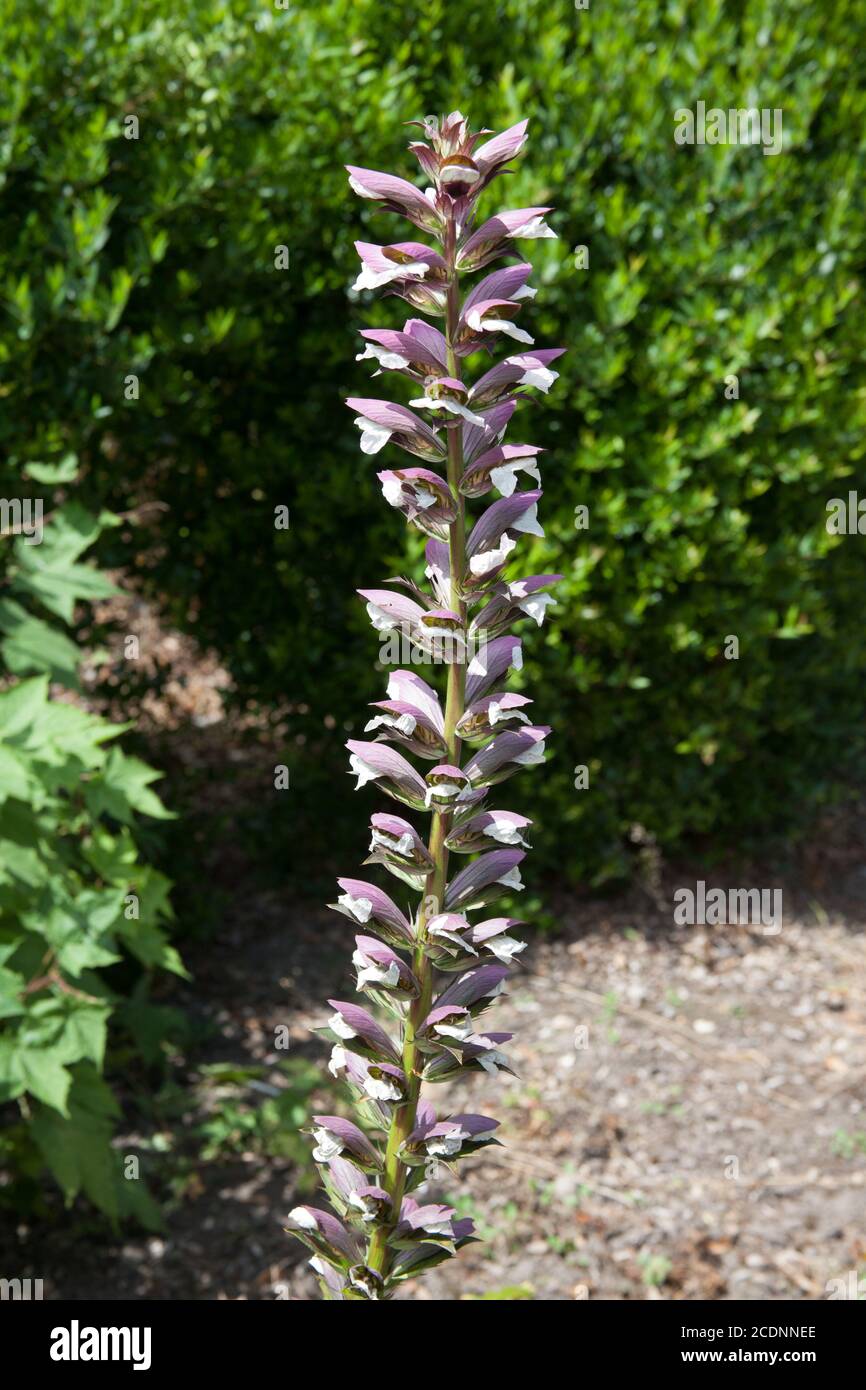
(123, 787)
(77, 1148)
(15, 778)
(151, 946)
(78, 928)
(84, 1035)
(11, 1080)
(59, 584)
(53, 473)
(33, 645)
(152, 1026)
(114, 857)
(20, 706)
(44, 1076)
(71, 530)
(50, 571)
(12, 982)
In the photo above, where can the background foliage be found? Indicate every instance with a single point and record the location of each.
(149, 350)
(706, 515)
(78, 908)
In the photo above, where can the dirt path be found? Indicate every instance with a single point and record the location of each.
(688, 1121)
(704, 1139)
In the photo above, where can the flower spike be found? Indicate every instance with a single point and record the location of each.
(427, 963)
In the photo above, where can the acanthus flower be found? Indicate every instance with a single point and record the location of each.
(457, 943)
(433, 971)
(487, 830)
(419, 351)
(499, 467)
(380, 421)
(516, 599)
(485, 879)
(335, 1136)
(366, 905)
(501, 655)
(397, 845)
(524, 369)
(373, 762)
(489, 241)
(506, 754)
(497, 533)
(396, 195)
(445, 395)
(380, 968)
(451, 1138)
(422, 496)
(492, 713)
(399, 265)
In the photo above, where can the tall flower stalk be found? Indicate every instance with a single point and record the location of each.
(432, 971)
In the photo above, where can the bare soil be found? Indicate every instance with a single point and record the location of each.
(688, 1121)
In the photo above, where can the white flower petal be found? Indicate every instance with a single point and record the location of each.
(528, 524)
(361, 188)
(384, 1089)
(511, 329)
(382, 621)
(459, 1031)
(373, 437)
(338, 1025)
(536, 606)
(531, 756)
(370, 279)
(372, 974)
(505, 948)
(488, 560)
(445, 1145)
(445, 403)
(360, 908)
(441, 789)
(328, 1145)
(542, 377)
(505, 832)
(439, 1228)
(495, 713)
(362, 771)
(535, 227)
(456, 173)
(365, 1205)
(403, 846)
(383, 356)
(504, 478)
(403, 723)
(512, 879)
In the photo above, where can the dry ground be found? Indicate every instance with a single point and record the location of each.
(688, 1121)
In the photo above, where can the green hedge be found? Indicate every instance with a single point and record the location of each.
(706, 515)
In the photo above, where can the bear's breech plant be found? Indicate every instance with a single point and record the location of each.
(433, 970)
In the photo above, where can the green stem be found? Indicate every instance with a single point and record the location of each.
(403, 1121)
